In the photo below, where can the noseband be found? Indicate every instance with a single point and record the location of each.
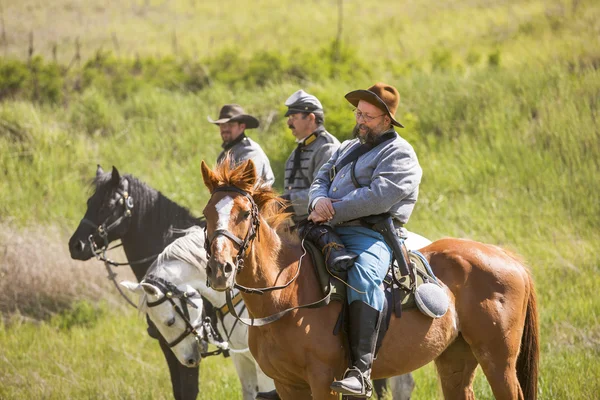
(171, 292)
(250, 235)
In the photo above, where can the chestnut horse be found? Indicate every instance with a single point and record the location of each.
(491, 321)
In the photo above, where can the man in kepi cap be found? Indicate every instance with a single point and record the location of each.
(315, 146)
(375, 174)
(232, 123)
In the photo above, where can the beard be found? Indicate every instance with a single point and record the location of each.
(369, 136)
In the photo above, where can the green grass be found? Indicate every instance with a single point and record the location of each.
(500, 100)
(113, 359)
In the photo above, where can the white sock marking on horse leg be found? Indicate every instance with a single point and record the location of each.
(223, 207)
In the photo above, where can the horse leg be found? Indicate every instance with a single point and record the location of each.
(183, 379)
(380, 387)
(496, 344)
(247, 373)
(402, 386)
(456, 368)
(498, 361)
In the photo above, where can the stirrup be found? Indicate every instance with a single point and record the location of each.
(366, 389)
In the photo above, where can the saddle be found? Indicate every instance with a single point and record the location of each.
(402, 291)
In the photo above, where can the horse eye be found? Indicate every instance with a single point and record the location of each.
(171, 322)
(245, 214)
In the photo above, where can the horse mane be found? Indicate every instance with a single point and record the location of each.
(184, 249)
(188, 249)
(270, 205)
(151, 208)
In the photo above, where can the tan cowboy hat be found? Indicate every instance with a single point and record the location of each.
(234, 113)
(381, 95)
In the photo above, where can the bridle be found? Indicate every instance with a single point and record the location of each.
(243, 244)
(102, 230)
(203, 331)
(172, 293)
(250, 235)
(239, 264)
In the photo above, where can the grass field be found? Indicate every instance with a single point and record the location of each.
(501, 101)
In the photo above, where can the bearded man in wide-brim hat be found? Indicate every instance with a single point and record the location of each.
(232, 123)
(377, 173)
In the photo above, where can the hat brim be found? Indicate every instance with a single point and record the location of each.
(249, 120)
(356, 96)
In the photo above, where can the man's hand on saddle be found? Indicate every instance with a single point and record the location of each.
(323, 211)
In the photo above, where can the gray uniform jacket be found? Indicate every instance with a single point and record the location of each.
(248, 149)
(315, 152)
(389, 176)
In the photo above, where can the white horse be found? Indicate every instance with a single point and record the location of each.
(183, 265)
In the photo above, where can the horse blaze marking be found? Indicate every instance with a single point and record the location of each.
(223, 207)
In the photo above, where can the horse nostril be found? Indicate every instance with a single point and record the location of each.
(228, 269)
(80, 246)
(191, 362)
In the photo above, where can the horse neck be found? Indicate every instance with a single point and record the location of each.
(274, 261)
(153, 217)
(261, 264)
(179, 273)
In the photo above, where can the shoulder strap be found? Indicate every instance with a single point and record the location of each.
(359, 151)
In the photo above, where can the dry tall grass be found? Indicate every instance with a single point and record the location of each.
(38, 278)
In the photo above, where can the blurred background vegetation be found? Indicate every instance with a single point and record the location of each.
(501, 100)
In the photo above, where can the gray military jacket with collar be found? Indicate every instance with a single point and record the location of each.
(313, 156)
(389, 176)
(248, 149)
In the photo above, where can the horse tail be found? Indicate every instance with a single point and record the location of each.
(528, 360)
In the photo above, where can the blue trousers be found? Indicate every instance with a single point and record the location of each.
(371, 266)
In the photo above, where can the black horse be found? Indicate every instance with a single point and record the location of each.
(122, 207)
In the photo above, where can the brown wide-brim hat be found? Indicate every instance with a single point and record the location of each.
(234, 113)
(382, 96)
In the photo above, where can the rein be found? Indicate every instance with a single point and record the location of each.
(239, 262)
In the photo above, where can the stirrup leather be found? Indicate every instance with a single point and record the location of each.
(367, 388)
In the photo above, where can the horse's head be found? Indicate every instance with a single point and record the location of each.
(232, 221)
(177, 313)
(107, 217)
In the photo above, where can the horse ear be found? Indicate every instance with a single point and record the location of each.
(210, 180)
(116, 177)
(150, 289)
(249, 175)
(99, 171)
(132, 286)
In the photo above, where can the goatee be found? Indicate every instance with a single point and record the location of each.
(369, 136)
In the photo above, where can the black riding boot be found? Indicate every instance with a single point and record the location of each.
(272, 395)
(338, 259)
(363, 329)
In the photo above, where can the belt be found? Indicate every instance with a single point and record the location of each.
(359, 222)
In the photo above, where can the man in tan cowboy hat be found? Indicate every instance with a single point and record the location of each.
(377, 173)
(232, 123)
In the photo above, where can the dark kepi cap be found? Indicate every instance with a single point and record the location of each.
(234, 113)
(382, 96)
(302, 102)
